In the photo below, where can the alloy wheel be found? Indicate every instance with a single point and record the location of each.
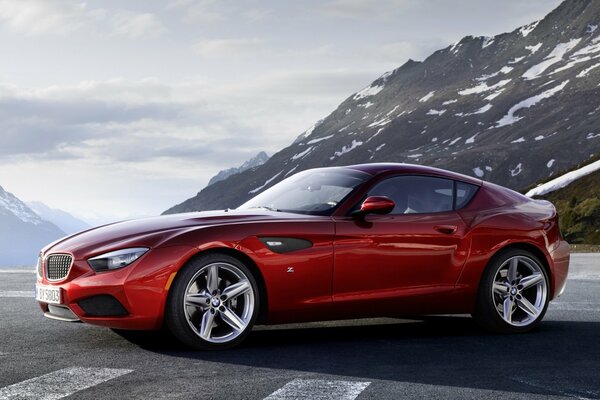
(519, 291)
(219, 302)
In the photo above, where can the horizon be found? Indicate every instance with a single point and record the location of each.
(158, 102)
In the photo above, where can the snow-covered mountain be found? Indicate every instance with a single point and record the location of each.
(22, 232)
(65, 221)
(255, 161)
(512, 109)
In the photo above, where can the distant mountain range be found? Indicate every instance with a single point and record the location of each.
(255, 161)
(23, 233)
(512, 109)
(65, 221)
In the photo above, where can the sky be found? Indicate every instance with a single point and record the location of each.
(119, 109)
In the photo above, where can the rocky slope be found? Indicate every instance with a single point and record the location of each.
(511, 109)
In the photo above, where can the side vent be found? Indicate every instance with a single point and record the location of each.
(284, 244)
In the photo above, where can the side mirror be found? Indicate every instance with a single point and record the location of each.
(377, 205)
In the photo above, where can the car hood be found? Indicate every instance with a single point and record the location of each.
(151, 232)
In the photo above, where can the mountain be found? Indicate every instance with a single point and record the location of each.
(65, 221)
(255, 161)
(511, 109)
(576, 195)
(22, 232)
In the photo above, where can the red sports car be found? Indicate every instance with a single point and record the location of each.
(330, 243)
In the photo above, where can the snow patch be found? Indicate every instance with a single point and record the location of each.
(487, 40)
(517, 170)
(449, 102)
(571, 64)
(436, 112)
(483, 109)
(381, 122)
(510, 117)
(592, 135)
(554, 57)
(308, 132)
(494, 95)
(527, 29)
(564, 180)
(483, 87)
(346, 149)
(587, 70)
(266, 183)
(478, 172)
(519, 59)
(366, 105)
(550, 163)
(591, 28)
(302, 154)
(471, 139)
(534, 49)
(427, 97)
(454, 141)
(368, 91)
(319, 139)
(519, 140)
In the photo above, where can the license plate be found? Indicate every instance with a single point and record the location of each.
(47, 294)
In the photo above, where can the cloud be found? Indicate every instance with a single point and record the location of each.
(37, 17)
(226, 47)
(59, 17)
(364, 9)
(135, 25)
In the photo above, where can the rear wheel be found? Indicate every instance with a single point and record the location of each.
(513, 294)
(213, 303)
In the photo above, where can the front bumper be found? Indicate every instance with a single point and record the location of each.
(129, 298)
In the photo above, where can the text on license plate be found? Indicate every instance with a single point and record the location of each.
(47, 294)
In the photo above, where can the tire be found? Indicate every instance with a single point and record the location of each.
(213, 303)
(513, 294)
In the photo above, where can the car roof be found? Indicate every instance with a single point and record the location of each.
(412, 169)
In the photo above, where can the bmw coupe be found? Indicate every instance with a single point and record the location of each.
(370, 240)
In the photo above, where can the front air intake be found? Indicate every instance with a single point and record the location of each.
(57, 266)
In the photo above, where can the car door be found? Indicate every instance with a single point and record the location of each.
(417, 249)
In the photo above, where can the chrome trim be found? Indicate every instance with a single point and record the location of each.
(63, 309)
(45, 266)
(63, 319)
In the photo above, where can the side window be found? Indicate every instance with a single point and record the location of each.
(464, 194)
(417, 194)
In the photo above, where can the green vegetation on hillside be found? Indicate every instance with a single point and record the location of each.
(578, 206)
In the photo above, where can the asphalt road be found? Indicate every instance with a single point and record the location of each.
(440, 357)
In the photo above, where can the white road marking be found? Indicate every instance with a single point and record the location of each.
(574, 306)
(17, 271)
(317, 389)
(18, 293)
(61, 383)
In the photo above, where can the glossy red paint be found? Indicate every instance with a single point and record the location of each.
(372, 265)
(377, 205)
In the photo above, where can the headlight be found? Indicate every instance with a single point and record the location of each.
(116, 259)
(39, 265)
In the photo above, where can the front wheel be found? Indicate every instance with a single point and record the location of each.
(513, 294)
(213, 303)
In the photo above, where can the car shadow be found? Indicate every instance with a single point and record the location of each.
(558, 358)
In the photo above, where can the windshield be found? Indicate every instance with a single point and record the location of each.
(315, 191)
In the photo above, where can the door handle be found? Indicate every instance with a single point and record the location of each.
(446, 229)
